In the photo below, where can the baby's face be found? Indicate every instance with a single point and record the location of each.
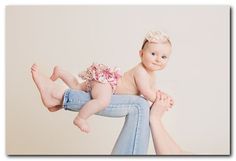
(155, 56)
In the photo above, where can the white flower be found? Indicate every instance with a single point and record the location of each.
(157, 36)
(102, 79)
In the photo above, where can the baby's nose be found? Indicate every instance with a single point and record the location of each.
(158, 59)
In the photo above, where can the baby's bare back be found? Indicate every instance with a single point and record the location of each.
(126, 84)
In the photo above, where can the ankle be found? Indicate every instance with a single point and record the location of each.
(155, 120)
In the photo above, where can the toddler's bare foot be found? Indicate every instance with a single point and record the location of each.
(82, 124)
(55, 73)
(49, 91)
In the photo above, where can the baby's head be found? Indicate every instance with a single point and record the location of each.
(155, 50)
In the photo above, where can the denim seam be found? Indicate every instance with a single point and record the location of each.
(66, 95)
(137, 128)
(128, 104)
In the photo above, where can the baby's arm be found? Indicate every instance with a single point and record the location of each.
(142, 80)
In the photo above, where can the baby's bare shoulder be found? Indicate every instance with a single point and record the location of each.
(140, 70)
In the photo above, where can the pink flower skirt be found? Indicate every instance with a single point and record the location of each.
(102, 74)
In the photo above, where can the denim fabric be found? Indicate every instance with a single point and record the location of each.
(134, 136)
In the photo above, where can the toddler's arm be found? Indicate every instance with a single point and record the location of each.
(142, 80)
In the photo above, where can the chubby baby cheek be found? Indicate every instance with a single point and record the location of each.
(163, 66)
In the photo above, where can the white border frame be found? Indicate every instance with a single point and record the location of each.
(3, 4)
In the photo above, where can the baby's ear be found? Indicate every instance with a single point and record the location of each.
(140, 53)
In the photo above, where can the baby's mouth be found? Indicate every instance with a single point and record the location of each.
(156, 64)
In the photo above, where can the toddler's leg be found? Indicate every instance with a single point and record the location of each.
(68, 78)
(101, 94)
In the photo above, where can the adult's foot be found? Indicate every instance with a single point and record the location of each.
(51, 93)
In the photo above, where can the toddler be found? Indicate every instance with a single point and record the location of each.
(103, 81)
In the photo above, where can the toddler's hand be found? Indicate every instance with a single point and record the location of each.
(165, 99)
(162, 103)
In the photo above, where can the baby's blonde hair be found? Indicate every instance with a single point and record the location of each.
(156, 37)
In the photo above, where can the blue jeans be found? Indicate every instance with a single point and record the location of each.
(134, 136)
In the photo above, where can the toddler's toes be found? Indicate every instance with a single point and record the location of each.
(82, 124)
(85, 129)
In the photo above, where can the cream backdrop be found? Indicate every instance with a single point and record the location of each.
(73, 37)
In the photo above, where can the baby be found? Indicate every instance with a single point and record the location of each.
(103, 81)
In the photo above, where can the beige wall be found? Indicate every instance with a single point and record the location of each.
(73, 37)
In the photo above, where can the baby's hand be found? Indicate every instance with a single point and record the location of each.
(162, 103)
(165, 98)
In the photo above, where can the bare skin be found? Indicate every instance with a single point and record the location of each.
(163, 142)
(140, 80)
(50, 92)
(101, 93)
(70, 80)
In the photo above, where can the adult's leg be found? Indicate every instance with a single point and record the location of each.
(164, 144)
(134, 136)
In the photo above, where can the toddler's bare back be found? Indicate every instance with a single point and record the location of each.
(127, 85)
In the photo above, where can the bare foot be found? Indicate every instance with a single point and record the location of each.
(82, 124)
(55, 73)
(51, 93)
(55, 108)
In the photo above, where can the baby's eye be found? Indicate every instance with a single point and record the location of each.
(164, 57)
(153, 54)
